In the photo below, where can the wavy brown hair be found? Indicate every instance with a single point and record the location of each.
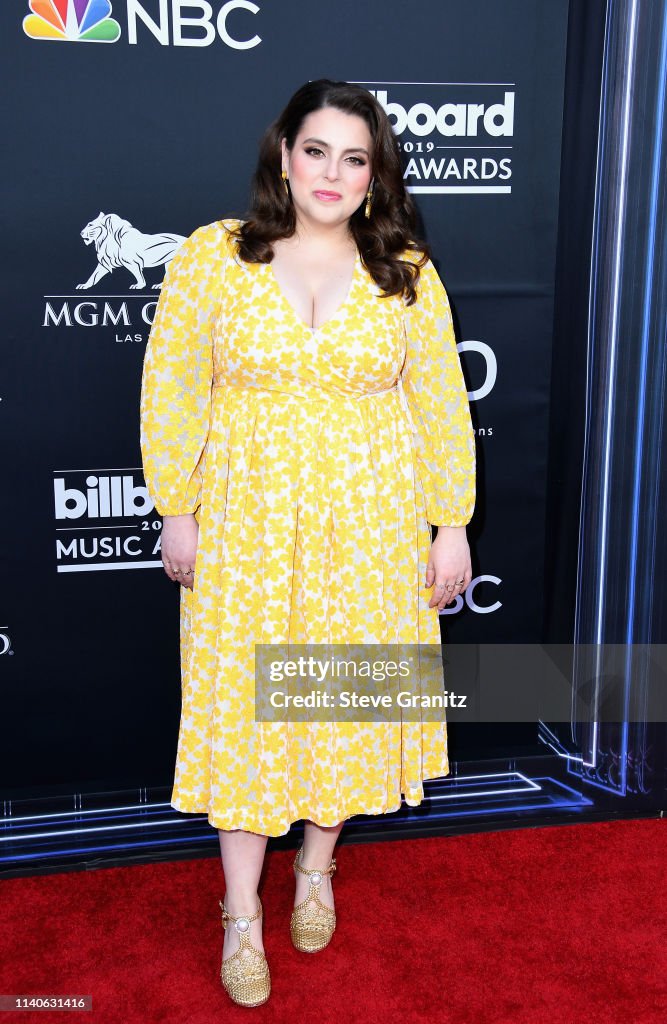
(381, 239)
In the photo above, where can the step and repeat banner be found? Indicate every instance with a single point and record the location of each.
(131, 123)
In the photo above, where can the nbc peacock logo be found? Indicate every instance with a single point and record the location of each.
(71, 21)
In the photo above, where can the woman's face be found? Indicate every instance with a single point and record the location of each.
(329, 167)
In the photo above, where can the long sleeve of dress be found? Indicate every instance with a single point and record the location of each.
(178, 370)
(438, 402)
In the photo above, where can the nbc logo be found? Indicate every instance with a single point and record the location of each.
(85, 21)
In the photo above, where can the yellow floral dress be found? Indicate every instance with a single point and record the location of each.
(313, 460)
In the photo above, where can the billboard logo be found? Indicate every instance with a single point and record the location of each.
(105, 519)
(104, 497)
(450, 118)
(457, 137)
(71, 21)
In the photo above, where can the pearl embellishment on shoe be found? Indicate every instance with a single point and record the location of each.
(316, 878)
(242, 924)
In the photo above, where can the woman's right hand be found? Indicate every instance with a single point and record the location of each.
(179, 548)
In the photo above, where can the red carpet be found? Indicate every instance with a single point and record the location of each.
(560, 925)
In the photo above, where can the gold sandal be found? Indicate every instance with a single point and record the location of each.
(312, 923)
(245, 974)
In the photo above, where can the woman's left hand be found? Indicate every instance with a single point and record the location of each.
(449, 566)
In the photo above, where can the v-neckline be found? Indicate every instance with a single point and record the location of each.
(339, 310)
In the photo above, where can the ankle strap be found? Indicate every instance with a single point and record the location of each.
(313, 871)
(226, 916)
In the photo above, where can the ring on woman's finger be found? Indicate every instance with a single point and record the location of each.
(440, 586)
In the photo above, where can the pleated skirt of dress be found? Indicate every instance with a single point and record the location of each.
(312, 529)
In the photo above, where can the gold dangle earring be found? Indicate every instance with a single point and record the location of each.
(284, 177)
(369, 200)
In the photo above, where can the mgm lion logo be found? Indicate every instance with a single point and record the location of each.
(118, 244)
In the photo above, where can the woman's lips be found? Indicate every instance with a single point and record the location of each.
(327, 197)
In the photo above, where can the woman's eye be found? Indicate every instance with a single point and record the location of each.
(315, 151)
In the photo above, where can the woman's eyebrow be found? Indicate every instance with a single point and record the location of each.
(353, 149)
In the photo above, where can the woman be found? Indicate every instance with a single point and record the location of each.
(303, 419)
